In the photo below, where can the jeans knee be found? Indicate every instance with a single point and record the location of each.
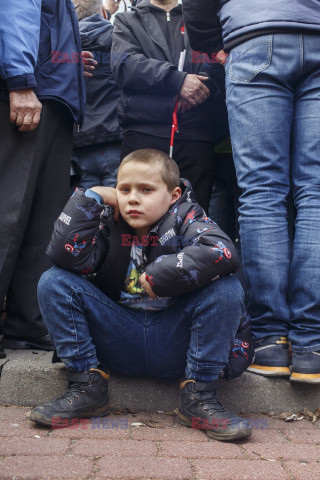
(229, 293)
(48, 284)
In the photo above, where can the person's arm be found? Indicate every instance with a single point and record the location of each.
(77, 241)
(19, 45)
(133, 70)
(207, 254)
(202, 25)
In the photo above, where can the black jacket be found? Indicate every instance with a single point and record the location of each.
(185, 251)
(101, 120)
(150, 80)
(209, 22)
(193, 249)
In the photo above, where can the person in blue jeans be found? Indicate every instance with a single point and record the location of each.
(144, 291)
(97, 144)
(273, 92)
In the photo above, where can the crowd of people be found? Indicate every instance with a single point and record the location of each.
(146, 277)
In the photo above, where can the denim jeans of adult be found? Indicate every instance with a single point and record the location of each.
(273, 99)
(191, 338)
(98, 164)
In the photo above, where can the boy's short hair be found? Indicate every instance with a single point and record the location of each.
(86, 8)
(169, 169)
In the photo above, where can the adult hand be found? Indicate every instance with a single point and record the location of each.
(25, 109)
(222, 57)
(89, 63)
(146, 285)
(183, 105)
(193, 89)
(112, 6)
(109, 198)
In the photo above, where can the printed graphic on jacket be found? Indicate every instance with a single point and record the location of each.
(133, 295)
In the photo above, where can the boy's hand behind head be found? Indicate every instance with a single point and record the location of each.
(109, 198)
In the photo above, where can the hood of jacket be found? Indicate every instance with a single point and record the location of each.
(95, 32)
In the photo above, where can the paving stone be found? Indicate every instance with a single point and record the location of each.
(282, 451)
(211, 449)
(171, 433)
(265, 436)
(138, 468)
(111, 448)
(102, 428)
(304, 471)
(311, 437)
(43, 468)
(33, 446)
(155, 419)
(13, 414)
(296, 426)
(239, 470)
(22, 429)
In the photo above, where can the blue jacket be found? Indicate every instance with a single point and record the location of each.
(40, 49)
(101, 121)
(208, 22)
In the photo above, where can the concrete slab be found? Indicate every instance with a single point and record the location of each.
(29, 378)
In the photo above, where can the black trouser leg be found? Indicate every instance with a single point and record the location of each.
(34, 181)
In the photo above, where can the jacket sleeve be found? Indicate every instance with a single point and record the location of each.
(202, 24)
(206, 254)
(133, 70)
(19, 42)
(77, 242)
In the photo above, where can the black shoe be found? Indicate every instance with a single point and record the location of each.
(87, 396)
(2, 354)
(306, 367)
(15, 343)
(200, 409)
(271, 357)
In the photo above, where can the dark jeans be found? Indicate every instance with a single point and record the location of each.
(98, 164)
(34, 185)
(190, 338)
(195, 160)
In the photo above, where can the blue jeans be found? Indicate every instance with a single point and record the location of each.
(191, 338)
(273, 99)
(98, 164)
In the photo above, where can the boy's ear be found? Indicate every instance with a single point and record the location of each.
(175, 195)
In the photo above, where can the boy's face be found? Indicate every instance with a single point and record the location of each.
(143, 197)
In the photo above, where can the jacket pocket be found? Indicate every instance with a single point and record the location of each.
(47, 44)
(249, 59)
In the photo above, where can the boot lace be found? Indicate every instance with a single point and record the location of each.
(211, 404)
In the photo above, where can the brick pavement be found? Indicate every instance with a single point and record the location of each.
(157, 449)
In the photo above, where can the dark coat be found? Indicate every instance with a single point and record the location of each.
(150, 81)
(209, 22)
(40, 48)
(101, 121)
(92, 243)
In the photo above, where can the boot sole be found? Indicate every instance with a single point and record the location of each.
(41, 419)
(269, 371)
(224, 437)
(305, 377)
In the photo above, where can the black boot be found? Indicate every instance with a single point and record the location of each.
(87, 396)
(2, 354)
(200, 409)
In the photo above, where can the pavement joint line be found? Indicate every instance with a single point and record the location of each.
(193, 468)
(70, 448)
(95, 469)
(159, 447)
(283, 465)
